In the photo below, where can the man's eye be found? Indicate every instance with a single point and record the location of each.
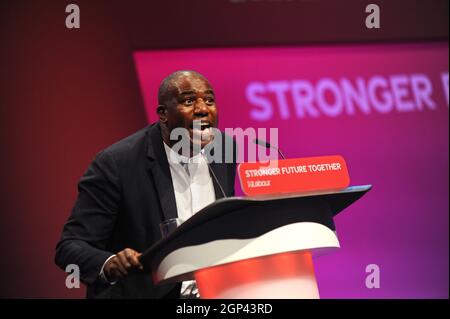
(188, 101)
(210, 101)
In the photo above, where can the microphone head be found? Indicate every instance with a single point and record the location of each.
(267, 145)
(261, 142)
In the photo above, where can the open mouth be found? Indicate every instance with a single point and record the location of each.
(200, 125)
(201, 132)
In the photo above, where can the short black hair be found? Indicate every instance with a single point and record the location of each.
(165, 86)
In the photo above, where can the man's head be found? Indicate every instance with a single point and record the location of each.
(185, 96)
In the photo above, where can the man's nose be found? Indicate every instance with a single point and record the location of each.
(200, 107)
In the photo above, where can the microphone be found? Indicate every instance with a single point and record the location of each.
(215, 178)
(267, 145)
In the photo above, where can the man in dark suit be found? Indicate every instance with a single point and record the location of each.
(131, 187)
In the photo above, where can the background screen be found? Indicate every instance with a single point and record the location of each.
(384, 108)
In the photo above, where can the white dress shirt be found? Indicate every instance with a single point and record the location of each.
(194, 189)
(192, 182)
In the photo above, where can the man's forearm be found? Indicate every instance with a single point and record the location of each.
(89, 259)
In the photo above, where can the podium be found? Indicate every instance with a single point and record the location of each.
(253, 247)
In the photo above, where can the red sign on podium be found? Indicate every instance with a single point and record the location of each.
(294, 175)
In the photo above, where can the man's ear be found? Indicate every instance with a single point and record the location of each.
(161, 110)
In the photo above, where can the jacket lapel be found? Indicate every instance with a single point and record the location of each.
(160, 171)
(219, 169)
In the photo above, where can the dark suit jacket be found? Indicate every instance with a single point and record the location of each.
(122, 198)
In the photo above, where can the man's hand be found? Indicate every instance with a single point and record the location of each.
(118, 266)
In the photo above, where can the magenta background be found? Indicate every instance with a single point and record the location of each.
(402, 224)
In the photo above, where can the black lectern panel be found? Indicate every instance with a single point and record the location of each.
(244, 218)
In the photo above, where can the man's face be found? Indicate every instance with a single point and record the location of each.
(192, 98)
